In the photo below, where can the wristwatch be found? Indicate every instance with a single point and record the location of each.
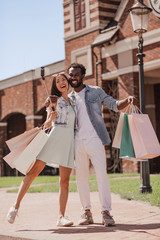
(155, 5)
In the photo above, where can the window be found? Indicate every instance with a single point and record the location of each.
(83, 56)
(79, 14)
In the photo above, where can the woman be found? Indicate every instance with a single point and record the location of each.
(59, 148)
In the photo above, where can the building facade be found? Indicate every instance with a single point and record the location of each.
(22, 107)
(99, 35)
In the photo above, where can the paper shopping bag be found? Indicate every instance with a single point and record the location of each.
(126, 146)
(28, 157)
(18, 144)
(14, 154)
(24, 157)
(145, 142)
(117, 137)
(25, 137)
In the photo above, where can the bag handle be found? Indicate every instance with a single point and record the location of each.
(138, 110)
(130, 108)
(135, 109)
(46, 130)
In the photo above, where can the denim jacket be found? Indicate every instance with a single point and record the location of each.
(63, 111)
(95, 97)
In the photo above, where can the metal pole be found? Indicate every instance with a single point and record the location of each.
(144, 165)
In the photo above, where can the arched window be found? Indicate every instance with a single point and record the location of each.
(16, 124)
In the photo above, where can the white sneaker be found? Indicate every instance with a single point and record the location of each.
(64, 222)
(12, 214)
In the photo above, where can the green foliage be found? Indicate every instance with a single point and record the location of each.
(15, 181)
(129, 189)
(126, 185)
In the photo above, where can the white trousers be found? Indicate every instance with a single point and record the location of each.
(92, 149)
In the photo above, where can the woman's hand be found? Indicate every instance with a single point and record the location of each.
(53, 115)
(51, 99)
(50, 118)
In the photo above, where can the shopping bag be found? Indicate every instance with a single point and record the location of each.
(24, 157)
(126, 146)
(117, 137)
(25, 137)
(145, 142)
(18, 144)
(15, 153)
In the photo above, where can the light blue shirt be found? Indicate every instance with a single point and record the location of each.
(95, 97)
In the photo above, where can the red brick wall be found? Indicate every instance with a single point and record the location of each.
(128, 85)
(77, 43)
(40, 92)
(126, 29)
(110, 64)
(27, 99)
(17, 99)
(151, 51)
(130, 166)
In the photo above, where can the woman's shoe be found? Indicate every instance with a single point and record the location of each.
(12, 214)
(64, 222)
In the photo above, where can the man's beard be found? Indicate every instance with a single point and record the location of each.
(75, 85)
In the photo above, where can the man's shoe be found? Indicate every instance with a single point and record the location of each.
(107, 219)
(64, 222)
(12, 214)
(86, 218)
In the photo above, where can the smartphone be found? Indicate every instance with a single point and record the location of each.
(53, 108)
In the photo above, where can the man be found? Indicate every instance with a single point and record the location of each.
(90, 138)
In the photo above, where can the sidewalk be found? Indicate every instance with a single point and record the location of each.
(39, 211)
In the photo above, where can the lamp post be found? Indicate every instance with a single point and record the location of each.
(139, 16)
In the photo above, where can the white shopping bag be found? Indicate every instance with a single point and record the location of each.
(25, 137)
(24, 156)
(117, 137)
(145, 141)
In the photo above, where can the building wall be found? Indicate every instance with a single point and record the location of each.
(22, 106)
(112, 65)
(116, 59)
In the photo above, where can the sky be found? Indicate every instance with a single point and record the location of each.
(31, 35)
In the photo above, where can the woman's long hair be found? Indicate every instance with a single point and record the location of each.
(54, 90)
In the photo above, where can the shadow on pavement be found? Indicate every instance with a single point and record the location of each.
(141, 228)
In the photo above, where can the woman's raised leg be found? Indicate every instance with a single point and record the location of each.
(25, 184)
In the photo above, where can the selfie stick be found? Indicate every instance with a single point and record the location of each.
(43, 78)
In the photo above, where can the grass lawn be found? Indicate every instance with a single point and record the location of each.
(15, 181)
(123, 184)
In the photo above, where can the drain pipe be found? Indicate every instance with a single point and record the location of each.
(96, 66)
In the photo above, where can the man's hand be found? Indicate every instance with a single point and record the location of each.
(131, 99)
(124, 103)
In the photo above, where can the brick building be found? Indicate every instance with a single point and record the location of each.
(98, 34)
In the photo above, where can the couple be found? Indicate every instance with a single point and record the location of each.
(78, 114)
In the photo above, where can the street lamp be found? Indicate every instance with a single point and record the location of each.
(139, 16)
